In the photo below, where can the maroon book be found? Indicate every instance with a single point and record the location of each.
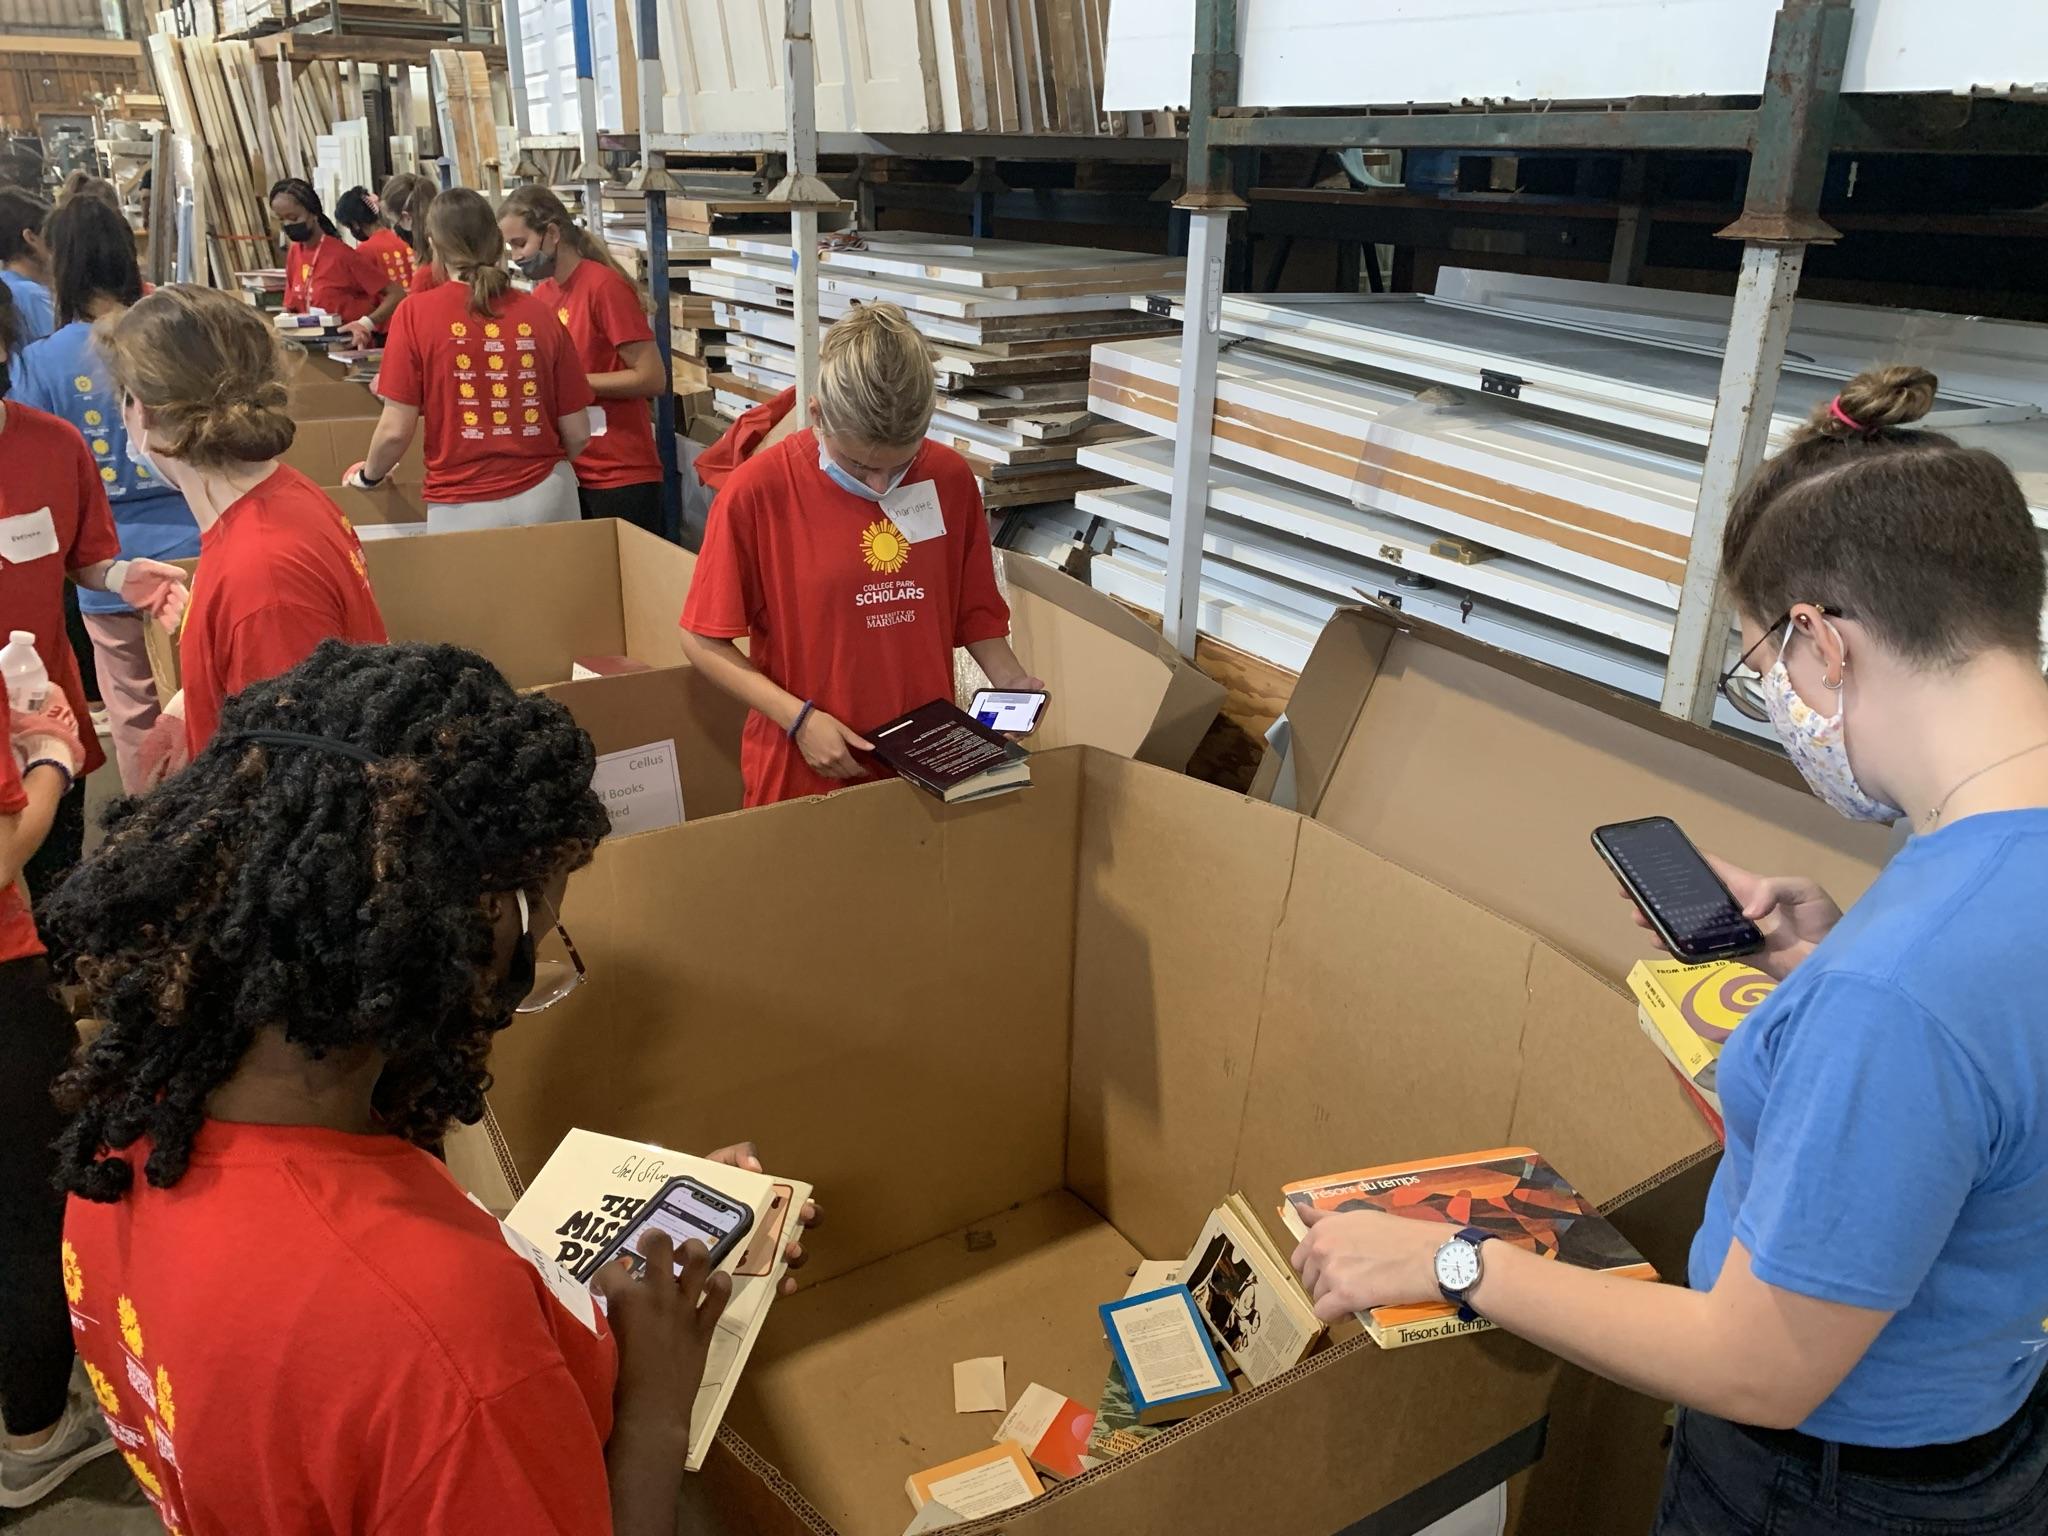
(948, 753)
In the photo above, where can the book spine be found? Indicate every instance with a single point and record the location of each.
(1423, 1330)
(1694, 1055)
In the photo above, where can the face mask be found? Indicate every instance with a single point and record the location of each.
(298, 233)
(520, 971)
(541, 264)
(403, 231)
(851, 484)
(134, 432)
(1819, 747)
(6, 376)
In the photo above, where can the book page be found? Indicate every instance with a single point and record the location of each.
(1244, 1302)
(1166, 1354)
(994, 1486)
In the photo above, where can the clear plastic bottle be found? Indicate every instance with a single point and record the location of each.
(27, 679)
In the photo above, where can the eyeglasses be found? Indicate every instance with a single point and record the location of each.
(555, 976)
(1742, 684)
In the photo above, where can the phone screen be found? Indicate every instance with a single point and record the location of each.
(1014, 713)
(683, 1210)
(1678, 889)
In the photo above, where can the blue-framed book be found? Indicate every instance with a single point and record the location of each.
(1165, 1355)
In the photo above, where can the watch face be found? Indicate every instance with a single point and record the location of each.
(1457, 1265)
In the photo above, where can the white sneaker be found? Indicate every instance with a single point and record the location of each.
(27, 1477)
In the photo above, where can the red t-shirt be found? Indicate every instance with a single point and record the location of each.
(18, 938)
(332, 276)
(489, 386)
(54, 520)
(736, 444)
(423, 278)
(281, 571)
(601, 312)
(317, 1331)
(836, 605)
(392, 255)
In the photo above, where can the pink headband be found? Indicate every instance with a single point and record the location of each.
(1835, 410)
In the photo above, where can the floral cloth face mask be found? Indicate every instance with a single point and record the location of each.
(1819, 746)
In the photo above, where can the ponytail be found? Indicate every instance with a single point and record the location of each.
(300, 191)
(469, 247)
(540, 210)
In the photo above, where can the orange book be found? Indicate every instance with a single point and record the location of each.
(986, 1483)
(1512, 1192)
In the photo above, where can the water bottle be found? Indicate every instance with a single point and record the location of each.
(27, 679)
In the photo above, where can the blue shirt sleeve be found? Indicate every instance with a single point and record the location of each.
(1875, 1129)
(32, 384)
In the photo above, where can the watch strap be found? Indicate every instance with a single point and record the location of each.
(1475, 1236)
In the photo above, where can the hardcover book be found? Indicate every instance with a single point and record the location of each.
(946, 752)
(1512, 1192)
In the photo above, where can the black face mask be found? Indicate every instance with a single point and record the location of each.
(537, 267)
(6, 378)
(298, 233)
(403, 231)
(519, 975)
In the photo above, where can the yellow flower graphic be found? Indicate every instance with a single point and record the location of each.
(74, 1275)
(93, 418)
(498, 389)
(102, 1389)
(562, 314)
(495, 361)
(462, 359)
(458, 330)
(165, 1408)
(101, 445)
(469, 418)
(532, 414)
(530, 387)
(884, 548)
(467, 391)
(525, 329)
(107, 473)
(491, 330)
(131, 1325)
(143, 1475)
(82, 383)
(497, 418)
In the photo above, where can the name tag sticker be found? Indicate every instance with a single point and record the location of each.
(914, 509)
(30, 536)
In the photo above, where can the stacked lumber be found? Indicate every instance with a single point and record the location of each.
(1027, 66)
(214, 99)
(239, 18)
(469, 127)
(1010, 324)
(1352, 458)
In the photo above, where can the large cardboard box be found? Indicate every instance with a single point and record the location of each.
(324, 449)
(1020, 1045)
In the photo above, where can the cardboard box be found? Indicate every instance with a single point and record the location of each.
(1197, 992)
(316, 399)
(390, 511)
(1488, 772)
(323, 450)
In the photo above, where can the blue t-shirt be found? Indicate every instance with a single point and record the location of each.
(33, 303)
(1887, 1113)
(64, 375)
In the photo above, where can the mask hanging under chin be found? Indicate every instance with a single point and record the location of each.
(852, 484)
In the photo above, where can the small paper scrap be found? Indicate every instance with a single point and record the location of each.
(978, 1386)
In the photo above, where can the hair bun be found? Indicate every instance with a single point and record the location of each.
(1877, 400)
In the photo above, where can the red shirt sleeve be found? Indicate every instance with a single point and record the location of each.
(399, 374)
(620, 319)
(97, 538)
(527, 1460)
(572, 389)
(725, 587)
(983, 614)
(271, 641)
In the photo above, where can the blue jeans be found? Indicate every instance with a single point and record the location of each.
(1720, 1482)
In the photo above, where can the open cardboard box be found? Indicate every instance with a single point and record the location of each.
(324, 448)
(1020, 1045)
(1487, 772)
(392, 510)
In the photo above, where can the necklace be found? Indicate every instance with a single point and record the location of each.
(1927, 821)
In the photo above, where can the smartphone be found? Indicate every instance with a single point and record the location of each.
(1677, 889)
(766, 1244)
(1012, 713)
(684, 1209)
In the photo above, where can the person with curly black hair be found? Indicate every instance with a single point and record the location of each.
(301, 947)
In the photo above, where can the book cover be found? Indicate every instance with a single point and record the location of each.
(985, 1483)
(1710, 1109)
(1050, 1428)
(1512, 1192)
(1164, 1354)
(1247, 1294)
(592, 1185)
(1117, 1428)
(945, 751)
(1694, 1009)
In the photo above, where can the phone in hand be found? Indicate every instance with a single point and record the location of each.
(1691, 909)
(684, 1209)
(1013, 711)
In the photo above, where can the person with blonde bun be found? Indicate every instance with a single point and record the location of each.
(494, 377)
(203, 396)
(1861, 1346)
(854, 557)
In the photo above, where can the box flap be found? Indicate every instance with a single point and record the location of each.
(669, 703)
(1488, 772)
(1187, 700)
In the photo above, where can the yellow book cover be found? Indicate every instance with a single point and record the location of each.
(1695, 1008)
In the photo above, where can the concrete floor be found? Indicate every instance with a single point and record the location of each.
(100, 1500)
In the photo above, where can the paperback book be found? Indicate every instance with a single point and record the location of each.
(1248, 1296)
(1690, 1011)
(948, 753)
(1512, 1192)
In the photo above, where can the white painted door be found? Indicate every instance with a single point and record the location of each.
(877, 66)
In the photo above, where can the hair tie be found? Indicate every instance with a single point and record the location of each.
(1835, 410)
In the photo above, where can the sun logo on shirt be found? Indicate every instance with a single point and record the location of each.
(131, 1325)
(469, 418)
(74, 1274)
(102, 1389)
(458, 330)
(498, 418)
(82, 383)
(562, 314)
(525, 329)
(467, 391)
(532, 415)
(107, 473)
(306, 274)
(530, 387)
(143, 1475)
(93, 418)
(462, 359)
(166, 1407)
(491, 330)
(498, 390)
(495, 362)
(101, 445)
(884, 548)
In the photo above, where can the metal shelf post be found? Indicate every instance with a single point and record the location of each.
(654, 184)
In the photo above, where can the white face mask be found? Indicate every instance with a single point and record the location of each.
(851, 483)
(1818, 745)
(137, 454)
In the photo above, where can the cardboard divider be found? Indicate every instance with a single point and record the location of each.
(896, 999)
(324, 448)
(389, 511)
(1489, 772)
(676, 704)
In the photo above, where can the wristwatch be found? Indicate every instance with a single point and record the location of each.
(1458, 1269)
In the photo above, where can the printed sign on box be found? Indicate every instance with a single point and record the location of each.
(640, 788)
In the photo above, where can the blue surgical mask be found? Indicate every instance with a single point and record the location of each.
(850, 483)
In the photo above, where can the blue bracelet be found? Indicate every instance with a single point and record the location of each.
(801, 716)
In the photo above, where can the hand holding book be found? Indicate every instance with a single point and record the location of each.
(742, 1155)
(1352, 1261)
